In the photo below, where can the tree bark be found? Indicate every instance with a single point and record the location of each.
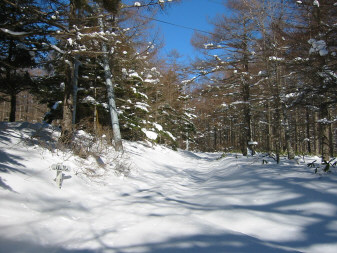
(287, 136)
(67, 120)
(9, 82)
(215, 138)
(75, 87)
(316, 137)
(308, 130)
(111, 95)
(324, 131)
(331, 139)
(247, 125)
(13, 108)
(245, 86)
(278, 113)
(278, 133)
(67, 127)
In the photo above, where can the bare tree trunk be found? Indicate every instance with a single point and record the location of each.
(67, 120)
(9, 81)
(316, 138)
(230, 134)
(278, 113)
(247, 125)
(209, 137)
(187, 141)
(75, 87)
(3, 110)
(27, 114)
(308, 130)
(324, 131)
(270, 129)
(67, 128)
(13, 108)
(111, 95)
(290, 150)
(296, 133)
(278, 135)
(215, 138)
(331, 139)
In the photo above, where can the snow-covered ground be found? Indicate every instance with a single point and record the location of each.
(171, 201)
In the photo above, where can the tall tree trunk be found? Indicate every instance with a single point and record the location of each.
(270, 129)
(287, 136)
(331, 138)
(278, 134)
(27, 108)
(316, 134)
(231, 134)
(278, 113)
(75, 87)
(247, 120)
(215, 138)
(13, 108)
(324, 132)
(111, 95)
(67, 127)
(296, 133)
(308, 130)
(187, 142)
(68, 99)
(9, 82)
(247, 126)
(209, 136)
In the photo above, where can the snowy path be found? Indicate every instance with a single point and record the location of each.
(172, 202)
(237, 205)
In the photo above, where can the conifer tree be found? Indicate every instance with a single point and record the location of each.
(314, 45)
(20, 33)
(231, 43)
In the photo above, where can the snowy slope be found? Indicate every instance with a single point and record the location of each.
(170, 202)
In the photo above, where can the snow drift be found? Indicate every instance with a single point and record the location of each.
(170, 201)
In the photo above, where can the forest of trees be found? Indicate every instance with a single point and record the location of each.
(265, 78)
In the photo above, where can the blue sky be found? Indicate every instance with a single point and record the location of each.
(189, 13)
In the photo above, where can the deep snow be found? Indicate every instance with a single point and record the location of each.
(170, 202)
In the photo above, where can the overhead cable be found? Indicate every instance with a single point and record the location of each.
(177, 25)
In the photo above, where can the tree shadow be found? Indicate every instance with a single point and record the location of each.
(39, 134)
(9, 164)
(297, 199)
(4, 139)
(201, 189)
(5, 186)
(32, 134)
(11, 246)
(201, 243)
(192, 155)
(8, 159)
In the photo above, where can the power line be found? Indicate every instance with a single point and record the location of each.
(215, 2)
(177, 25)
